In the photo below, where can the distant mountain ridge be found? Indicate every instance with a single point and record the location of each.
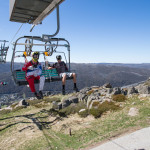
(88, 74)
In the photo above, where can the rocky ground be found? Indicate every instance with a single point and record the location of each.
(97, 95)
(34, 118)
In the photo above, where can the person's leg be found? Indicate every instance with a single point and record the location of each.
(74, 77)
(31, 85)
(42, 81)
(74, 81)
(63, 83)
(41, 85)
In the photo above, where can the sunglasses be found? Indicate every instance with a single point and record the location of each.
(35, 56)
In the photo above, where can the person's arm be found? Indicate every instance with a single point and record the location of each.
(66, 68)
(26, 61)
(25, 57)
(25, 67)
(39, 70)
(51, 67)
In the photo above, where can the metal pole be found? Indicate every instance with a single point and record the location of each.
(58, 23)
(69, 56)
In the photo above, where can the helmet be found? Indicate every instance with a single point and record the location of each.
(35, 56)
(58, 57)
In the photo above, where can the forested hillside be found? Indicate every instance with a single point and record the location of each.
(87, 75)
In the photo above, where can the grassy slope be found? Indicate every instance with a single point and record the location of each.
(31, 128)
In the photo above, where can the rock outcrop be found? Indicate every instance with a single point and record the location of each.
(95, 95)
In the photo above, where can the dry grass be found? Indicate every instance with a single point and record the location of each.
(119, 98)
(34, 128)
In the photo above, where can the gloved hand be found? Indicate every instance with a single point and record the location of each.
(35, 74)
(30, 67)
(24, 55)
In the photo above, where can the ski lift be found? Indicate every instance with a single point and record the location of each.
(50, 46)
(3, 51)
(33, 12)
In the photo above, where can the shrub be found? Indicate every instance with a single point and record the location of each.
(5, 111)
(53, 112)
(95, 103)
(84, 114)
(50, 100)
(95, 112)
(39, 105)
(105, 106)
(34, 102)
(119, 98)
(73, 108)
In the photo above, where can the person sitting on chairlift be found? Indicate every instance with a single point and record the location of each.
(33, 72)
(63, 73)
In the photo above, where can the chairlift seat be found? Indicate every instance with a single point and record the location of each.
(50, 76)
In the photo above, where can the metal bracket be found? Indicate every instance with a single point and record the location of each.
(58, 24)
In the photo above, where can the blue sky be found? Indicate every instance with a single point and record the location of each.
(114, 31)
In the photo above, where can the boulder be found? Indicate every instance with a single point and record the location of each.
(109, 90)
(47, 93)
(124, 91)
(133, 111)
(73, 99)
(131, 90)
(143, 89)
(65, 103)
(82, 97)
(107, 85)
(59, 105)
(116, 91)
(105, 91)
(22, 103)
(143, 96)
(95, 87)
(56, 105)
(82, 110)
(85, 90)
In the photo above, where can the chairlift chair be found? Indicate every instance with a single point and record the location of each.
(33, 12)
(50, 45)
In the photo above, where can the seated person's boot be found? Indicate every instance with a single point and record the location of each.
(63, 92)
(37, 96)
(75, 89)
(41, 94)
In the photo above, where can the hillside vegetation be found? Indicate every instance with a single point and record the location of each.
(39, 127)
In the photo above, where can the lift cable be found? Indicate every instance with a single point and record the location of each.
(16, 34)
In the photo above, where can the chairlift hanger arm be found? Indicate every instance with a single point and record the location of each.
(33, 11)
(58, 24)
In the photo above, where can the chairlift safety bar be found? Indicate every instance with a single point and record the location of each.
(41, 44)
